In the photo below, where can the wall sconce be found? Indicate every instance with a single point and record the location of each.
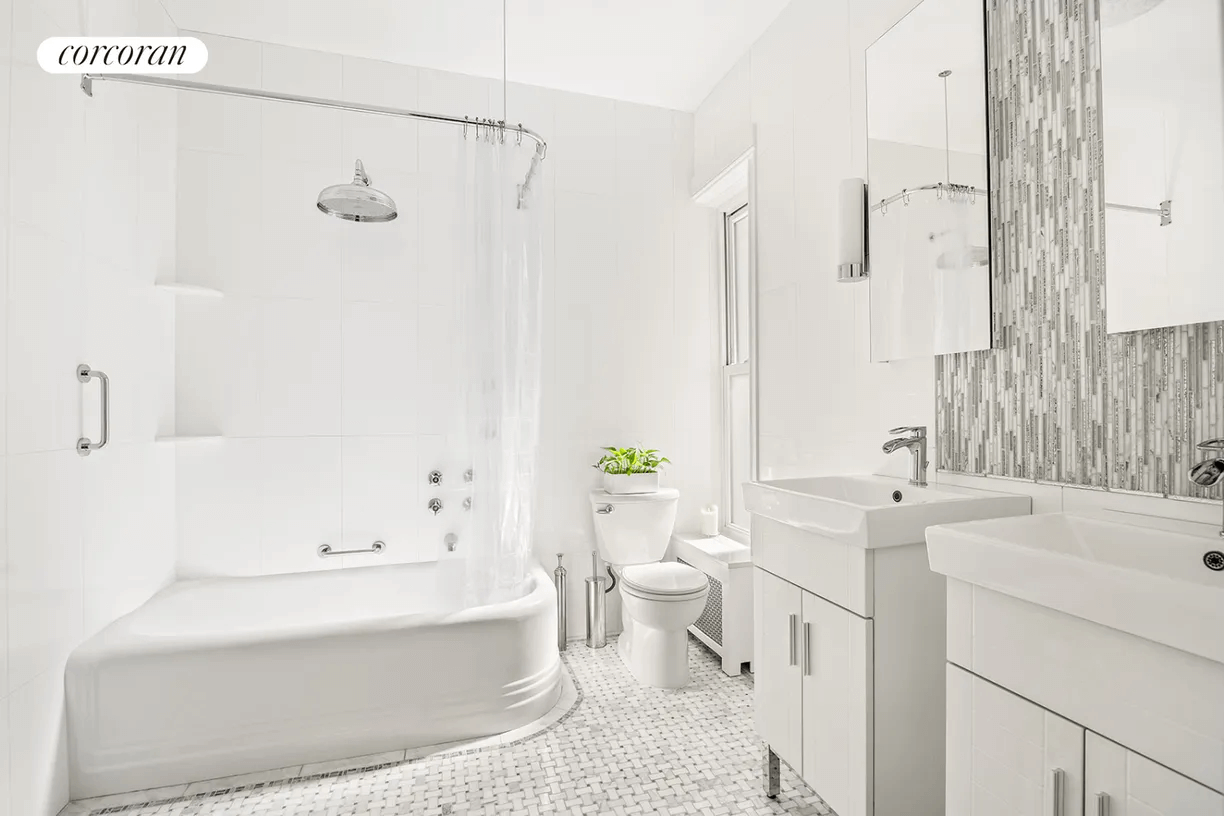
(852, 235)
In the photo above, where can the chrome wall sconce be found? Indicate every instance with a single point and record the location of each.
(852, 231)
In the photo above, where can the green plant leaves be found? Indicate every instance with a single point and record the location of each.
(630, 460)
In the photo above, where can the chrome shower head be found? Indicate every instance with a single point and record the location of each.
(357, 201)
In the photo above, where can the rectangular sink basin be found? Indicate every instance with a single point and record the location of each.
(1139, 574)
(873, 511)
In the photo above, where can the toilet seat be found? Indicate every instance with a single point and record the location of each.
(664, 581)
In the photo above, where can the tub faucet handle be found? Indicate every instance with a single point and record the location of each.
(435, 505)
(435, 477)
(451, 542)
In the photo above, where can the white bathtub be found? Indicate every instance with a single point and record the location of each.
(216, 677)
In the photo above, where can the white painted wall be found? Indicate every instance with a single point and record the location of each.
(326, 366)
(86, 226)
(800, 93)
(825, 409)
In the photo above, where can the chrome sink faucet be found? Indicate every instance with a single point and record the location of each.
(1210, 471)
(916, 442)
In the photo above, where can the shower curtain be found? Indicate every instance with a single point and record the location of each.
(500, 296)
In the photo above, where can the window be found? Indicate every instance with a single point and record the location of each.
(737, 322)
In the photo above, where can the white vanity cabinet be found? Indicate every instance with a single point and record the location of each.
(1118, 782)
(1086, 666)
(849, 669)
(1008, 755)
(813, 690)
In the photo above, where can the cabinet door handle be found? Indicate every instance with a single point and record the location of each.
(1102, 804)
(794, 620)
(807, 647)
(1057, 780)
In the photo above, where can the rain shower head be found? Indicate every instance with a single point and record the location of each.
(357, 201)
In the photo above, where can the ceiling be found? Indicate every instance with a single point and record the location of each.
(669, 53)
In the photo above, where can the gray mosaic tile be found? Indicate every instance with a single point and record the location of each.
(623, 749)
(1058, 399)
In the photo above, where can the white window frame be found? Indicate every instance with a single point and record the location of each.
(730, 212)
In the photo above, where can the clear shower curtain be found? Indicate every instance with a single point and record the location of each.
(500, 296)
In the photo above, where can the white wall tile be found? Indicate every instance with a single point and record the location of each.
(383, 143)
(380, 261)
(127, 546)
(300, 133)
(439, 404)
(216, 354)
(46, 310)
(299, 367)
(585, 144)
(45, 526)
(440, 211)
(48, 136)
(301, 502)
(299, 247)
(219, 500)
(112, 151)
(5, 775)
(219, 220)
(380, 388)
(36, 20)
(224, 124)
(381, 488)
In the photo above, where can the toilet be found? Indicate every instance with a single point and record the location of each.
(659, 600)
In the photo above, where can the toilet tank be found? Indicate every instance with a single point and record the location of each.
(638, 527)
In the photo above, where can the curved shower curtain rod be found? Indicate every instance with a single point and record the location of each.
(541, 149)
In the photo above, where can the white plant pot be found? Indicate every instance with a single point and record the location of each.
(622, 483)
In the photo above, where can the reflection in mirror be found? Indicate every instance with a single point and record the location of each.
(1162, 125)
(929, 212)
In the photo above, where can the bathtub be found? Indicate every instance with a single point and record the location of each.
(222, 676)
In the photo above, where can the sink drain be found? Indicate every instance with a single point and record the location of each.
(1214, 560)
(896, 495)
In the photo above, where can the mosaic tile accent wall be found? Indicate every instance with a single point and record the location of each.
(1058, 399)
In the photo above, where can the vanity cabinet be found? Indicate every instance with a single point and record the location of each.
(849, 666)
(1118, 782)
(1009, 755)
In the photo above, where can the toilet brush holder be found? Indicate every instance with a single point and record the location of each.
(596, 624)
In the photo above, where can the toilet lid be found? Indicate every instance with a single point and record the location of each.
(665, 578)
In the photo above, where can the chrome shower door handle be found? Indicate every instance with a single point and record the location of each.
(84, 374)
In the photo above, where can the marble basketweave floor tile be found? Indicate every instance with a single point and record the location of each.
(618, 748)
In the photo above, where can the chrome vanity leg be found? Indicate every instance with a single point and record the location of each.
(771, 772)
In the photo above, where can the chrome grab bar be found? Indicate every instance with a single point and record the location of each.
(605, 510)
(325, 550)
(84, 374)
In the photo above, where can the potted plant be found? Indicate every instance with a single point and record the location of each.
(631, 470)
